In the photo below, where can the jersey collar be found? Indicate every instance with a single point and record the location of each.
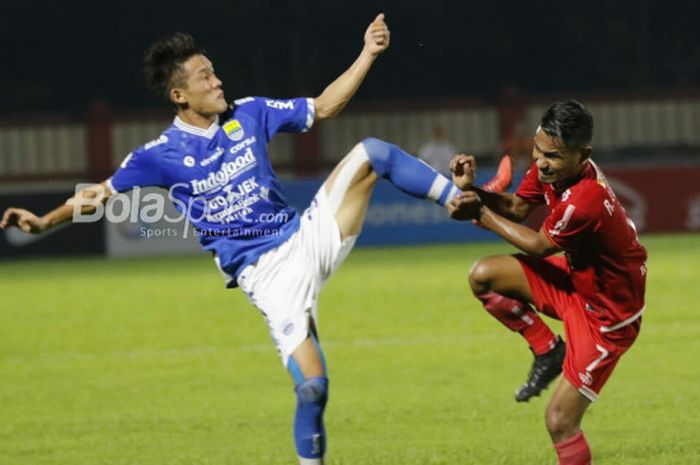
(208, 133)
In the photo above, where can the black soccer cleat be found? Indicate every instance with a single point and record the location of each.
(544, 369)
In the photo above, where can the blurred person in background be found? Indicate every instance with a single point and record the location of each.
(438, 151)
(518, 144)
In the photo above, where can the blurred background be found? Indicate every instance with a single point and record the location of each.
(459, 76)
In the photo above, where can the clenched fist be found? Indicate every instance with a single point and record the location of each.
(465, 206)
(377, 36)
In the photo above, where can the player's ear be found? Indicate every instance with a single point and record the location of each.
(586, 153)
(177, 96)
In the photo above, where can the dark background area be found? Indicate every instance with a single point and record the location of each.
(61, 55)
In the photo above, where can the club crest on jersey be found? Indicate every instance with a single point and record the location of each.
(188, 161)
(234, 130)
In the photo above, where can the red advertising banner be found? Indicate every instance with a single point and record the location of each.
(659, 199)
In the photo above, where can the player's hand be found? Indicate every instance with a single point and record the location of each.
(465, 206)
(377, 36)
(463, 168)
(24, 220)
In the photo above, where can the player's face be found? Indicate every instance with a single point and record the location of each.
(555, 162)
(202, 91)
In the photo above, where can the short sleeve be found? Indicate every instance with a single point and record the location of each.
(569, 224)
(139, 169)
(295, 115)
(530, 188)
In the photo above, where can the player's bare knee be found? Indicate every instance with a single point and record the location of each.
(480, 276)
(560, 424)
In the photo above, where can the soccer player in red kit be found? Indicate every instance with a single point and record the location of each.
(596, 288)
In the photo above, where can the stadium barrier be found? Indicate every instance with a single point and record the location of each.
(90, 149)
(393, 218)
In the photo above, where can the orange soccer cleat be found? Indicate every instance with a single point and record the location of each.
(503, 178)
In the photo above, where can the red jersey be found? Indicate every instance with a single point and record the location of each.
(606, 262)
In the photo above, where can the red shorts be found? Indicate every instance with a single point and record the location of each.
(591, 355)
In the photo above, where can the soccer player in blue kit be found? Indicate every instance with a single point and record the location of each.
(213, 160)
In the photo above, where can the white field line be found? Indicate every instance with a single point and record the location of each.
(205, 351)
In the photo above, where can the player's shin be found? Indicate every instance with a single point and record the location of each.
(407, 172)
(519, 317)
(309, 431)
(312, 396)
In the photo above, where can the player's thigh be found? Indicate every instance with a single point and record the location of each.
(349, 188)
(502, 274)
(591, 356)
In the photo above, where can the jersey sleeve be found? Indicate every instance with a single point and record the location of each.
(139, 169)
(295, 115)
(571, 223)
(530, 188)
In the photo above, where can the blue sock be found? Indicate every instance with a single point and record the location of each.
(309, 432)
(407, 172)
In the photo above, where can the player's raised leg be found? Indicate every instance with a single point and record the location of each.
(501, 285)
(350, 185)
(346, 194)
(563, 419)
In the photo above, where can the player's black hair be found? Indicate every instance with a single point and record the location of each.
(163, 59)
(569, 121)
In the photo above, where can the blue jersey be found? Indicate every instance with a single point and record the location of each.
(222, 179)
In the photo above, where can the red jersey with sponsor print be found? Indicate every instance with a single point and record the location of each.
(606, 262)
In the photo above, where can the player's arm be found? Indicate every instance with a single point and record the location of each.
(467, 206)
(528, 240)
(334, 98)
(505, 204)
(85, 201)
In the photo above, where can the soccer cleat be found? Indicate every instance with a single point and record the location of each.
(544, 369)
(503, 178)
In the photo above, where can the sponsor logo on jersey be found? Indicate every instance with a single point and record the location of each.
(585, 378)
(161, 140)
(228, 171)
(188, 161)
(287, 328)
(242, 145)
(234, 130)
(280, 104)
(212, 158)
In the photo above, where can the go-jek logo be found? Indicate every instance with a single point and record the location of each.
(234, 130)
(228, 171)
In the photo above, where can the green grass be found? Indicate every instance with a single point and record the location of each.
(153, 362)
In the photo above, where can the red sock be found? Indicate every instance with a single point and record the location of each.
(519, 317)
(574, 451)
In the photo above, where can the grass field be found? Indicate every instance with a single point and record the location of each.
(152, 362)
